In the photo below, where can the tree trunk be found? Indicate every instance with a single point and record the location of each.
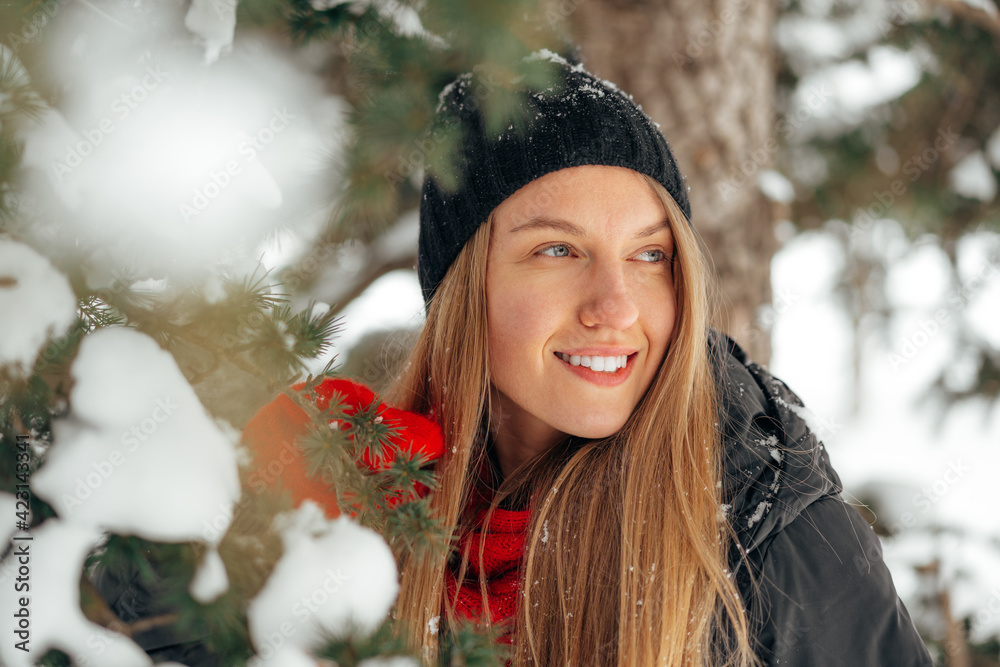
(703, 70)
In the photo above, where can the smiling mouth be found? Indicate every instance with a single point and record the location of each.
(600, 364)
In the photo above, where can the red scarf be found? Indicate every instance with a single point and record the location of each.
(501, 566)
(272, 434)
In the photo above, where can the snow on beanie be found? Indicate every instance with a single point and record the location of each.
(587, 121)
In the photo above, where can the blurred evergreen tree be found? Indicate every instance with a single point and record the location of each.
(923, 159)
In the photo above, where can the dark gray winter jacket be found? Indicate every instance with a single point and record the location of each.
(811, 573)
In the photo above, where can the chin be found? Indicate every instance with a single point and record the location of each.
(596, 430)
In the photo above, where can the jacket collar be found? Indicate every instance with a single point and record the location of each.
(773, 464)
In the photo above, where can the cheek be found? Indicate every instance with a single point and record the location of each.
(520, 321)
(659, 308)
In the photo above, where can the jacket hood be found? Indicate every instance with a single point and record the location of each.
(773, 465)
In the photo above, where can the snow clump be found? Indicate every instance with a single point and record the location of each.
(138, 454)
(36, 301)
(215, 22)
(336, 578)
(55, 554)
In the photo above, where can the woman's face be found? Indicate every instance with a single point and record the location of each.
(578, 281)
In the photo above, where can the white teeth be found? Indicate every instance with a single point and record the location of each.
(601, 364)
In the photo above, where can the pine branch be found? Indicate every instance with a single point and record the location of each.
(255, 291)
(370, 432)
(326, 452)
(98, 314)
(372, 273)
(413, 528)
(252, 328)
(18, 97)
(305, 23)
(313, 333)
(350, 651)
(472, 645)
(409, 469)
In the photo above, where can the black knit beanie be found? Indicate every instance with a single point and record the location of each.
(587, 121)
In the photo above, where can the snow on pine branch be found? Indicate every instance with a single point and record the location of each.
(36, 303)
(156, 166)
(137, 454)
(335, 579)
(55, 555)
(215, 22)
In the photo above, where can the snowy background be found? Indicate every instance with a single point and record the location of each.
(173, 166)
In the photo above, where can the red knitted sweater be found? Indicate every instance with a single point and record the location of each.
(271, 436)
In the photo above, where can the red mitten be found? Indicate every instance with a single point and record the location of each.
(273, 431)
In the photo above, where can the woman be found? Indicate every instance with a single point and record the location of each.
(603, 505)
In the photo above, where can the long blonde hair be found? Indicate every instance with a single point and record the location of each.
(634, 571)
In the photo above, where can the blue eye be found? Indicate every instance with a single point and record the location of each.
(655, 256)
(556, 251)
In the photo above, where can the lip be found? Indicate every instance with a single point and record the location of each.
(600, 378)
(599, 351)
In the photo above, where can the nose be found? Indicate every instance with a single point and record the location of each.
(607, 301)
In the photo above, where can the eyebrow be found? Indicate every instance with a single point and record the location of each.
(568, 227)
